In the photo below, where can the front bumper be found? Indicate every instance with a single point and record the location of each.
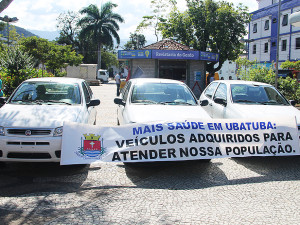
(30, 149)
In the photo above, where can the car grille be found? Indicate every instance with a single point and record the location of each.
(33, 132)
(17, 155)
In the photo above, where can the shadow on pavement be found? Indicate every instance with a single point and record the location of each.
(23, 178)
(198, 175)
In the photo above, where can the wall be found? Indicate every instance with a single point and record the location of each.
(84, 71)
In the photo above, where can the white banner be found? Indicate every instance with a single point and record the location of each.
(179, 140)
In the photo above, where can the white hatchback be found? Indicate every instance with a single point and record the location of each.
(246, 99)
(145, 100)
(31, 120)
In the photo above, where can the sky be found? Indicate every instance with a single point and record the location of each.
(41, 15)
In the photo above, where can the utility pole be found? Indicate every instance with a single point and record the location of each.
(278, 36)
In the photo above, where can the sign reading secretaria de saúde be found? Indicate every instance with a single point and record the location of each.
(191, 139)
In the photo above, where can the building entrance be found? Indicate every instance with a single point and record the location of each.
(175, 70)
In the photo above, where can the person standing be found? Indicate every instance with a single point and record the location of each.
(1, 92)
(118, 82)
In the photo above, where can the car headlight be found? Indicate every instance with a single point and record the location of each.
(58, 131)
(2, 133)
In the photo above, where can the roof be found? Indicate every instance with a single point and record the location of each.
(241, 82)
(56, 79)
(168, 44)
(155, 80)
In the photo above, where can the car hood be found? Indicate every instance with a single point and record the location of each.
(149, 113)
(254, 111)
(49, 116)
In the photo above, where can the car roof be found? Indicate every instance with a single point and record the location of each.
(56, 79)
(155, 80)
(241, 82)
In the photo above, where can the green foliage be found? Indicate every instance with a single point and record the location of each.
(100, 25)
(16, 66)
(109, 60)
(48, 53)
(137, 41)
(67, 25)
(291, 65)
(208, 24)
(289, 87)
(159, 9)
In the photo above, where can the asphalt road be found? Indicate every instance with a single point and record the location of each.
(257, 190)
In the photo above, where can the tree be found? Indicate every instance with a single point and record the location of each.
(209, 25)
(160, 7)
(48, 53)
(102, 25)
(291, 65)
(67, 25)
(4, 4)
(109, 59)
(137, 41)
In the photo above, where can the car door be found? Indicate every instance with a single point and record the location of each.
(208, 95)
(122, 117)
(219, 102)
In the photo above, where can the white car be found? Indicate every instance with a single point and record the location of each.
(102, 75)
(31, 120)
(145, 100)
(246, 99)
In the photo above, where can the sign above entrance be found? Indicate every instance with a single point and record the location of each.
(168, 54)
(134, 54)
(209, 56)
(175, 54)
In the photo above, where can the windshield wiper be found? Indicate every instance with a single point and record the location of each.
(272, 103)
(244, 100)
(145, 101)
(57, 101)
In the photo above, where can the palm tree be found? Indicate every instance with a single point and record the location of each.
(101, 25)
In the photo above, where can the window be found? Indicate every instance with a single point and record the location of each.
(267, 25)
(211, 89)
(86, 93)
(298, 43)
(266, 47)
(285, 20)
(283, 45)
(254, 49)
(255, 28)
(221, 92)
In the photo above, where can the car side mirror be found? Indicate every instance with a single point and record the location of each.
(93, 102)
(204, 102)
(2, 100)
(220, 101)
(292, 102)
(119, 101)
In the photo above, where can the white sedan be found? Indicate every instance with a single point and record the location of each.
(246, 99)
(31, 121)
(145, 100)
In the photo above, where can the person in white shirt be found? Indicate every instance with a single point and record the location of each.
(118, 82)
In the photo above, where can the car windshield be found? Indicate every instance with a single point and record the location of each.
(256, 94)
(162, 93)
(46, 93)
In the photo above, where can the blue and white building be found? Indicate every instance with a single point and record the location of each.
(263, 31)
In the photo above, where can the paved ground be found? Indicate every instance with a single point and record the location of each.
(225, 191)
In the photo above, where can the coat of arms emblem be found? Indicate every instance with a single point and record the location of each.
(91, 147)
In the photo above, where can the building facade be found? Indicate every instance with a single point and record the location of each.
(171, 60)
(263, 30)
